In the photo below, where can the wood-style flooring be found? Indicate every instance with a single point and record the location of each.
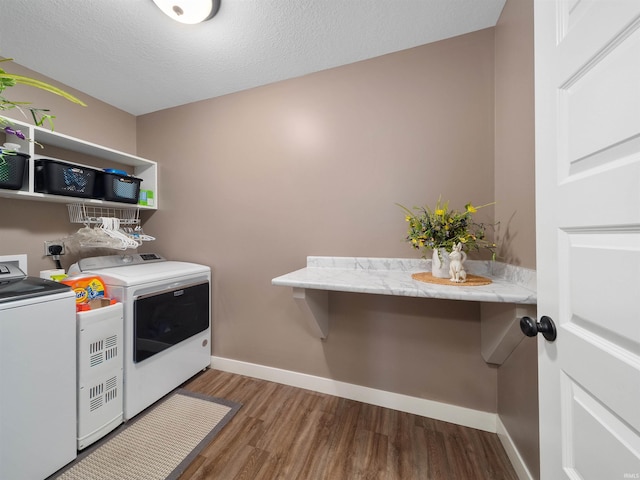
(288, 433)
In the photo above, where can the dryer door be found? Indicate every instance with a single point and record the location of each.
(166, 319)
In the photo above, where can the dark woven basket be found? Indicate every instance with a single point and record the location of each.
(12, 170)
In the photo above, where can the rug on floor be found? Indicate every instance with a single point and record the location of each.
(158, 444)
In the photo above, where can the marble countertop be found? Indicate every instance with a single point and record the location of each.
(392, 276)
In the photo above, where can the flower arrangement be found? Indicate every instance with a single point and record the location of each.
(444, 228)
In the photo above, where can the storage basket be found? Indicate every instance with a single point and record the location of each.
(61, 178)
(118, 188)
(12, 169)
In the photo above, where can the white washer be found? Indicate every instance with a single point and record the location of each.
(37, 375)
(167, 321)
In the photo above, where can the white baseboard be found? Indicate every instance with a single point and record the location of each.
(466, 417)
(512, 452)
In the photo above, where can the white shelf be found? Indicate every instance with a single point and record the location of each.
(511, 295)
(144, 169)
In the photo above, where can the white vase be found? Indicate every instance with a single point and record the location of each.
(440, 263)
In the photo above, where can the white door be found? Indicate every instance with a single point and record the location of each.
(588, 236)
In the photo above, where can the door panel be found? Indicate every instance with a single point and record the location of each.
(587, 358)
(588, 236)
(605, 255)
(602, 89)
(599, 430)
(604, 198)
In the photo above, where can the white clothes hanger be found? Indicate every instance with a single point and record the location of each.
(111, 226)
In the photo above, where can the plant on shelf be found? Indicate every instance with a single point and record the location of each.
(442, 228)
(40, 116)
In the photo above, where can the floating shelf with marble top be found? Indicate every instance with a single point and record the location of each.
(511, 294)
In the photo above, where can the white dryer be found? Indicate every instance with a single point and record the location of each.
(167, 321)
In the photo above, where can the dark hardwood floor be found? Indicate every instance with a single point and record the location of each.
(283, 432)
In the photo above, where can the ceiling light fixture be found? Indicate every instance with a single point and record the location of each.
(189, 11)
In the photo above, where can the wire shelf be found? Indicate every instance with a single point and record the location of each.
(92, 215)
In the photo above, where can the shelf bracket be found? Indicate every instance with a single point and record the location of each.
(500, 329)
(315, 307)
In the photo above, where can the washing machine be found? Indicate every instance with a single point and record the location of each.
(37, 375)
(167, 321)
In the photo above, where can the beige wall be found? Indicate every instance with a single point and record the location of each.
(515, 210)
(30, 223)
(254, 182)
(97, 122)
(514, 147)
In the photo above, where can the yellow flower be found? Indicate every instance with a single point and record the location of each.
(443, 228)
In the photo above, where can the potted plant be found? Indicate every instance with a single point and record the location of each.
(12, 162)
(437, 231)
(39, 115)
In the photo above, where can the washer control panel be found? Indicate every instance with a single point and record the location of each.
(110, 261)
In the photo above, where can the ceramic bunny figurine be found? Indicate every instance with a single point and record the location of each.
(456, 270)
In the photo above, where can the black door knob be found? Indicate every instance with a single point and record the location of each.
(545, 326)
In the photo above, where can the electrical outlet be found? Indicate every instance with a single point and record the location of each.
(52, 243)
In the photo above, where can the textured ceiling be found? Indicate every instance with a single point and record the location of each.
(129, 54)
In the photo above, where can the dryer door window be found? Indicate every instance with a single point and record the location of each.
(166, 319)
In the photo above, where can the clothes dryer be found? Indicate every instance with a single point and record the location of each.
(167, 321)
